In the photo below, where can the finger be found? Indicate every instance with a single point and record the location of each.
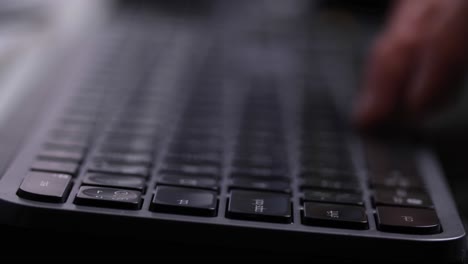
(443, 63)
(391, 64)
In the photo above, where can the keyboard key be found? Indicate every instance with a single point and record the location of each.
(332, 197)
(64, 155)
(108, 197)
(188, 201)
(172, 158)
(189, 181)
(66, 167)
(401, 197)
(124, 147)
(336, 185)
(395, 179)
(45, 187)
(327, 174)
(260, 173)
(117, 181)
(407, 220)
(71, 146)
(114, 168)
(259, 206)
(333, 215)
(204, 170)
(257, 184)
(124, 158)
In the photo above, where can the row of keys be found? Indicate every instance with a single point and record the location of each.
(242, 204)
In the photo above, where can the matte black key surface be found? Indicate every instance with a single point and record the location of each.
(407, 220)
(115, 168)
(261, 173)
(124, 147)
(333, 197)
(189, 181)
(65, 155)
(118, 181)
(401, 197)
(108, 197)
(73, 146)
(327, 174)
(337, 185)
(213, 171)
(124, 158)
(66, 167)
(188, 201)
(45, 187)
(174, 158)
(333, 215)
(394, 179)
(257, 184)
(260, 206)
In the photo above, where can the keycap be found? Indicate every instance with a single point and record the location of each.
(201, 170)
(395, 179)
(187, 201)
(257, 184)
(115, 168)
(332, 197)
(65, 136)
(45, 187)
(64, 155)
(189, 181)
(63, 145)
(108, 197)
(336, 185)
(113, 180)
(123, 147)
(334, 215)
(402, 197)
(124, 158)
(327, 174)
(174, 158)
(259, 206)
(261, 173)
(66, 167)
(407, 220)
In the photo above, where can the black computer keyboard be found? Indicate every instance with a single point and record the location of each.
(164, 132)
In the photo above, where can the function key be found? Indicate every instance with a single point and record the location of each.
(332, 197)
(333, 215)
(201, 170)
(117, 181)
(108, 197)
(395, 179)
(259, 206)
(336, 185)
(327, 174)
(45, 187)
(65, 155)
(407, 220)
(189, 181)
(66, 167)
(260, 173)
(115, 168)
(187, 201)
(402, 197)
(144, 159)
(258, 184)
(176, 158)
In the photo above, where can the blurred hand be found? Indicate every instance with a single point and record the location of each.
(416, 62)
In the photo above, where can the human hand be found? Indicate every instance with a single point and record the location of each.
(416, 62)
